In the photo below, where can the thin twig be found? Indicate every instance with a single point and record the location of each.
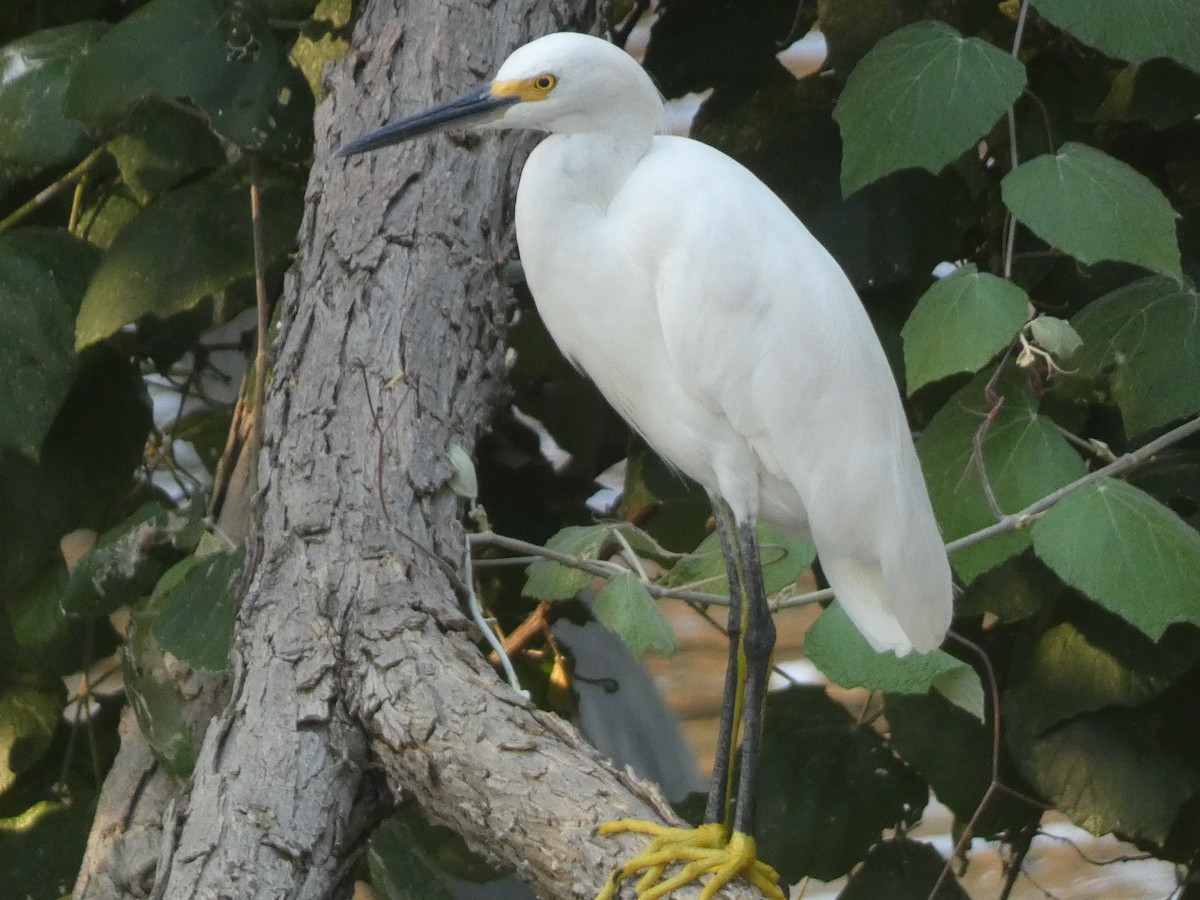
(77, 203)
(500, 562)
(48, 193)
(1014, 522)
(481, 623)
(537, 622)
(968, 831)
(997, 400)
(1096, 448)
(1014, 160)
(1122, 464)
(260, 295)
(629, 556)
(1016, 865)
(605, 569)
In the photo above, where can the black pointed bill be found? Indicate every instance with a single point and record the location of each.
(481, 105)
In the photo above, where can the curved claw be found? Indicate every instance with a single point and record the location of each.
(706, 850)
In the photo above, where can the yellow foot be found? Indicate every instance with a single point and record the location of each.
(702, 851)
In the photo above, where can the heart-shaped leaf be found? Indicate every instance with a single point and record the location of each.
(1095, 207)
(923, 96)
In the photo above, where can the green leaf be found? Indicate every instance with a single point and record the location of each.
(319, 41)
(230, 66)
(1024, 455)
(959, 324)
(901, 869)
(1095, 207)
(35, 133)
(187, 244)
(197, 615)
(952, 750)
(784, 558)
(1068, 672)
(29, 712)
(829, 787)
(104, 213)
(625, 608)
(160, 146)
(837, 648)
(1014, 590)
(406, 845)
(644, 545)
(1109, 771)
(41, 849)
(1125, 550)
(1136, 32)
(920, 98)
(548, 580)
(1160, 92)
(160, 708)
(35, 610)
(1056, 336)
(84, 475)
(1143, 341)
(464, 481)
(43, 275)
(128, 560)
(399, 865)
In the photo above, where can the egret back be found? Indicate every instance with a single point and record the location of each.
(725, 334)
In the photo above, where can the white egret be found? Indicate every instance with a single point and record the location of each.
(728, 337)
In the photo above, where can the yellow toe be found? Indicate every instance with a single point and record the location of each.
(703, 851)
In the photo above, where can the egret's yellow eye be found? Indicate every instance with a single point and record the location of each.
(544, 82)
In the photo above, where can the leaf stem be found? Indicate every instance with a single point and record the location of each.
(485, 628)
(1010, 229)
(49, 192)
(260, 296)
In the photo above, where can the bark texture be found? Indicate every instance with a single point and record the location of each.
(353, 659)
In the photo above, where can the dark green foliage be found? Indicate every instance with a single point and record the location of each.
(697, 44)
(35, 132)
(953, 752)
(125, 235)
(408, 857)
(232, 68)
(43, 276)
(84, 470)
(39, 849)
(834, 787)
(901, 869)
(195, 618)
(183, 247)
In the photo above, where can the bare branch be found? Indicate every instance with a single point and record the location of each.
(1124, 463)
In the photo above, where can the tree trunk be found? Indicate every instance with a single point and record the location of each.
(353, 656)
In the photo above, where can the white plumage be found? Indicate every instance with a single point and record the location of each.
(718, 326)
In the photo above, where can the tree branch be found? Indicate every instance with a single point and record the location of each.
(1007, 523)
(1119, 466)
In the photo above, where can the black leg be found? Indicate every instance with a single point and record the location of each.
(719, 849)
(717, 808)
(758, 643)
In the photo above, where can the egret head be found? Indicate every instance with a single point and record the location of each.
(562, 83)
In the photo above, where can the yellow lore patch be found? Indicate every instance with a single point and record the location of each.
(535, 88)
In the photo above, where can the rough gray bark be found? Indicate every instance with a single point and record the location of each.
(352, 655)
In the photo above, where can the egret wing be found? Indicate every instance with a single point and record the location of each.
(761, 326)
